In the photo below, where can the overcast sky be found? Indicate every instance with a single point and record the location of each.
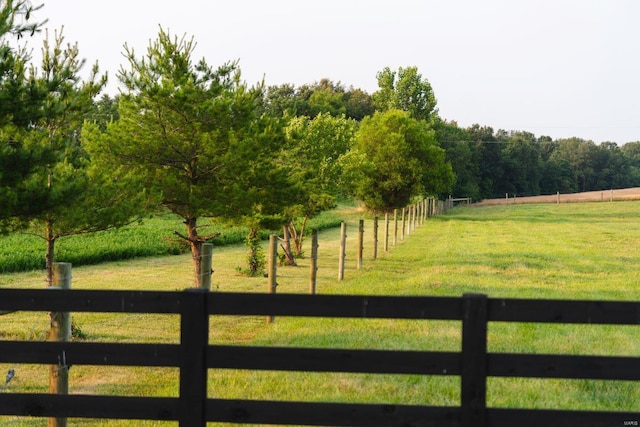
(560, 68)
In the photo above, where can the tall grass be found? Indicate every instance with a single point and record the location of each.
(153, 237)
(581, 251)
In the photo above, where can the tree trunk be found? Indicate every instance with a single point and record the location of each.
(289, 259)
(255, 257)
(49, 256)
(196, 248)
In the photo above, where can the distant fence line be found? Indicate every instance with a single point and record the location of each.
(611, 195)
(194, 356)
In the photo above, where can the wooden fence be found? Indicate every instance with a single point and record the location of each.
(194, 356)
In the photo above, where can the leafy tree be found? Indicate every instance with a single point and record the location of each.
(194, 136)
(578, 153)
(521, 163)
(405, 90)
(313, 147)
(491, 171)
(463, 156)
(280, 100)
(327, 101)
(631, 151)
(394, 158)
(358, 104)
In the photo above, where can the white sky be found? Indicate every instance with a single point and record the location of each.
(560, 68)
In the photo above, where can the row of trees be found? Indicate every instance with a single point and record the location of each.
(197, 141)
(490, 164)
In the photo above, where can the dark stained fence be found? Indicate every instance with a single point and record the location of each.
(194, 356)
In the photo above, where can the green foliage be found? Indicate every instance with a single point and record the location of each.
(395, 158)
(256, 259)
(405, 90)
(309, 100)
(152, 237)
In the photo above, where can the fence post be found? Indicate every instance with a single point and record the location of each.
(386, 231)
(360, 243)
(272, 268)
(206, 263)
(395, 227)
(343, 250)
(375, 237)
(60, 330)
(313, 273)
(403, 222)
(474, 360)
(194, 339)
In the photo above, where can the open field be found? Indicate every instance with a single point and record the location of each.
(572, 251)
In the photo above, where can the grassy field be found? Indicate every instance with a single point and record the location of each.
(573, 251)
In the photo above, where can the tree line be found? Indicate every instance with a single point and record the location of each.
(195, 140)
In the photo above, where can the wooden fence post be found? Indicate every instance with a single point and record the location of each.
(313, 273)
(343, 250)
(474, 360)
(386, 231)
(206, 263)
(60, 330)
(375, 237)
(403, 223)
(395, 227)
(272, 268)
(194, 338)
(360, 243)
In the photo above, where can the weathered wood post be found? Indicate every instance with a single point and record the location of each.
(343, 250)
(375, 237)
(409, 219)
(286, 246)
(272, 268)
(386, 231)
(425, 210)
(395, 227)
(403, 224)
(206, 263)
(60, 330)
(313, 273)
(360, 243)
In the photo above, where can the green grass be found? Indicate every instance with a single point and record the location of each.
(569, 251)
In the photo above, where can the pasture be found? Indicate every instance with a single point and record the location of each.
(568, 251)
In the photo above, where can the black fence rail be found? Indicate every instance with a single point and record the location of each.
(194, 356)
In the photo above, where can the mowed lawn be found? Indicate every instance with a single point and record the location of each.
(568, 251)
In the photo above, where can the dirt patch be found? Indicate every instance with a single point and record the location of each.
(589, 196)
